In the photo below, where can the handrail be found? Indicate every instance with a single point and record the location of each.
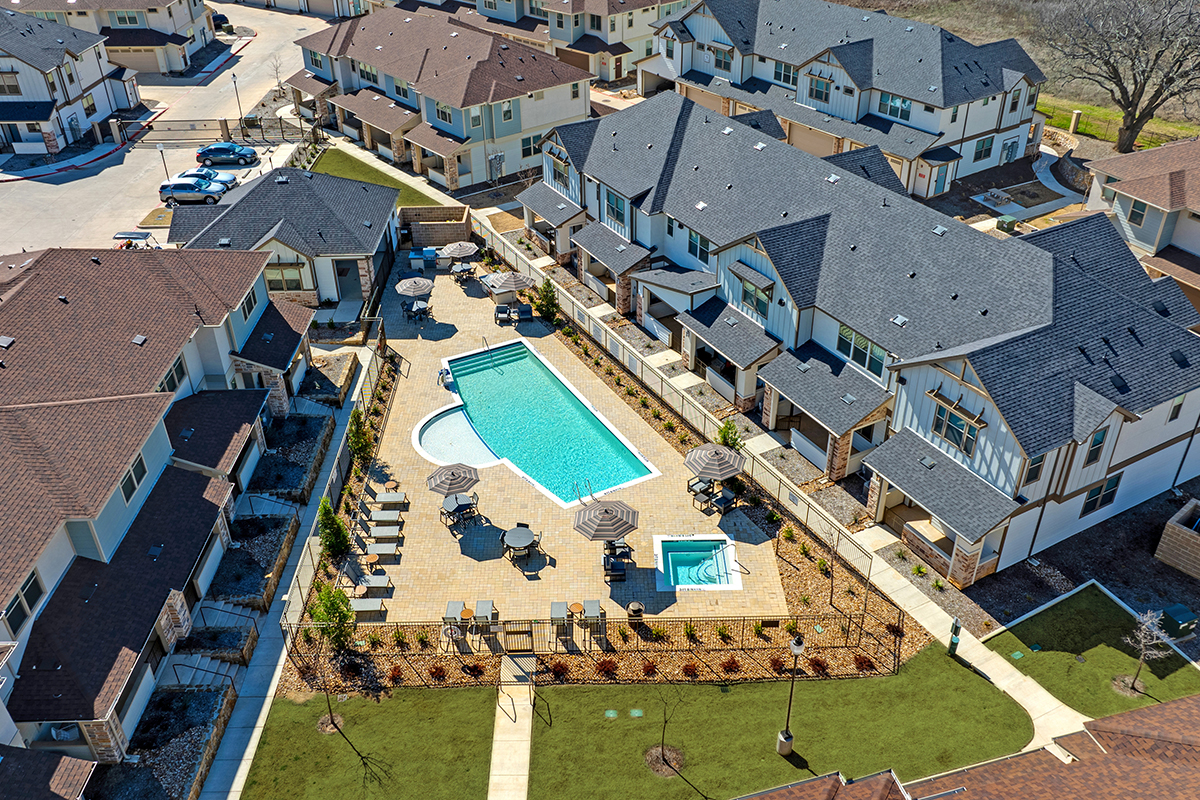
(488, 348)
(175, 668)
(725, 547)
(253, 621)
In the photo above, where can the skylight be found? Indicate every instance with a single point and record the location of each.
(926, 462)
(804, 367)
(8, 341)
(900, 320)
(848, 399)
(760, 146)
(727, 130)
(940, 230)
(701, 205)
(833, 178)
(139, 340)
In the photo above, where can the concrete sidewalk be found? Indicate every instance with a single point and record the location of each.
(512, 737)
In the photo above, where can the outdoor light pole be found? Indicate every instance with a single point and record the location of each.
(241, 116)
(162, 151)
(783, 745)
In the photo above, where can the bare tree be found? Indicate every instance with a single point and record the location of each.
(275, 64)
(1149, 640)
(1144, 53)
(671, 698)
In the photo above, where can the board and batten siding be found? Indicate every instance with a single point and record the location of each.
(707, 30)
(781, 321)
(114, 520)
(572, 190)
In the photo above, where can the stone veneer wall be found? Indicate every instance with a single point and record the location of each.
(107, 738)
(436, 226)
(304, 298)
(277, 396)
(962, 568)
(1180, 545)
(843, 445)
(927, 553)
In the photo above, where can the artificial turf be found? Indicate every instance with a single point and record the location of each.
(933, 716)
(344, 165)
(1091, 625)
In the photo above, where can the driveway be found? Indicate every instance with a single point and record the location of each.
(86, 206)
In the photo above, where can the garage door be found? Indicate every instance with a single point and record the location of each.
(573, 58)
(706, 99)
(143, 59)
(324, 8)
(810, 141)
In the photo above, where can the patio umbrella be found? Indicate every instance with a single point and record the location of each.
(452, 479)
(606, 520)
(414, 287)
(503, 282)
(714, 462)
(459, 250)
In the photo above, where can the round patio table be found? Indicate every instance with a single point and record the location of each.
(461, 267)
(466, 613)
(420, 305)
(575, 608)
(457, 502)
(360, 591)
(372, 558)
(518, 538)
(391, 486)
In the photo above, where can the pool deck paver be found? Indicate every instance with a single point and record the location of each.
(438, 565)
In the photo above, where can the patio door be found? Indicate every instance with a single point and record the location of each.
(939, 183)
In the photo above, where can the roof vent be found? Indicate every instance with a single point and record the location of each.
(954, 296)
(186, 433)
(912, 274)
(408, 19)
(378, 47)
(728, 186)
(803, 367)
(281, 179)
(561, 206)
(983, 312)
(366, 223)
(621, 248)
(853, 247)
(701, 205)
(848, 399)
(62, 298)
(695, 167)
(760, 146)
(926, 462)
(267, 337)
(8, 341)
(94, 260)
(155, 551)
(503, 47)
(1119, 383)
(940, 230)
(933, 88)
(451, 36)
(866, 19)
(1178, 355)
(520, 77)
(139, 340)
(224, 241)
(1160, 307)
(909, 29)
(731, 321)
(833, 179)
(727, 130)
(783, 214)
(900, 320)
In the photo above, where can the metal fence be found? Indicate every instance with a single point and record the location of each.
(198, 131)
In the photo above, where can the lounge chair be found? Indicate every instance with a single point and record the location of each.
(502, 314)
(355, 575)
(385, 498)
(724, 501)
(454, 610)
(378, 548)
(521, 312)
(485, 610)
(366, 605)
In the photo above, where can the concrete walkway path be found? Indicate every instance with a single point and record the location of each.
(513, 734)
(1041, 169)
(1051, 717)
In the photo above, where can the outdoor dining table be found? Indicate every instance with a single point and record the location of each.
(518, 538)
(461, 267)
(457, 503)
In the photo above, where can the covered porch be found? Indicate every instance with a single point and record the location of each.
(727, 348)
(310, 96)
(948, 515)
(440, 155)
(549, 218)
(835, 413)
(607, 263)
(25, 128)
(664, 292)
(377, 121)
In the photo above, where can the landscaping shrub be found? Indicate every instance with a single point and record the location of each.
(789, 535)
(374, 640)
(649, 668)
(396, 673)
(423, 639)
(690, 670)
(335, 539)
(818, 666)
(823, 566)
(400, 639)
(728, 435)
(776, 663)
(669, 425)
(545, 303)
(758, 628)
(623, 632)
(731, 664)
(863, 662)
(606, 667)
(805, 550)
(939, 585)
(656, 413)
(805, 600)
(918, 570)
(895, 629)
(560, 670)
(658, 634)
(437, 672)
(331, 608)
(474, 670)
(689, 630)
(791, 627)
(358, 437)
(723, 633)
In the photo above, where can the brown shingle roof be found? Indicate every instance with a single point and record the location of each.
(1167, 176)
(38, 775)
(440, 142)
(307, 81)
(880, 786)
(448, 60)
(85, 644)
(220, 423)
(82, 347)
(377, 109)
(1179, 264)
(62, 461)
(276, 338)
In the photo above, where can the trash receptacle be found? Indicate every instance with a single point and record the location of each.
(1178, 621)
(1007, 223)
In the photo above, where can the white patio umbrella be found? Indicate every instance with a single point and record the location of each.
(459, 250)
(414, 287)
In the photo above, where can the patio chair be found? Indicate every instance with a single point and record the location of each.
(724, 501)
(502, 314)
(614, 569)
(367, 605)
(355, 575)
(454, 609)
(385, 498)
(522, 312)
(522, 524)
(699, 486)
(391, 549)
(558, 618)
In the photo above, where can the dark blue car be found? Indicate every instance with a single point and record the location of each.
(226, 153)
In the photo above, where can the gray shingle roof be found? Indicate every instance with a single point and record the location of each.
(941, 155)
(892, 54)
(40, 43)
(948, 490)
(604, 245)
(728, 331)
(869, 163)
(746, 273)
(679, 279)
(313, 213)
(35, 111)
(277, 335)
(187, 221)
(764, 121)
(820, 388)
(548, 204)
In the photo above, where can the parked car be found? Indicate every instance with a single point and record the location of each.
(219, 20)
(226, 153)
(190, 190)
(211, 175)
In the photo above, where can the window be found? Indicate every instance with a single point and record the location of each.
(983, 148)
(124, 19)
(786, 73)
(490, 5)
(723, 60)
(476, 116)
(955, 430)
(537, 8)
(848, 91)
(49, 82)
(283, 280)
(928, 109)
(698, 246)
(1031, 98)
(191, 33)
(1096, 448)
(894, 106)
(614, 208)
(670, 226)
(70, 73)
(506, 112)
(612, 24)
(1101, 495)
(249, 303)
(1035, 469)
(529, 146)
(443, 112)
(174, 377)
(558, 172)
(1176, 407)
(8, 83)
(315, 59)
(757, 299)
(575, 20)
(52, 16)
(1137, 213)
(402, 89)
(954, 114)
(594, 21)
(22, 605)
(629, 20)
(368, 73)
(861, 350)
(649, 46)
(1016, 101)
(133, 478)
(574, 91)
(1106, 193)
(89, 105)
(986, 100)
(559, 22)
(818, 89)
(33, 127)
(670, 45)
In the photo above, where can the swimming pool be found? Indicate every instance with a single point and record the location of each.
(524, 413)
(704, 563)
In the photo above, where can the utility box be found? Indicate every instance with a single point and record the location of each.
(1178, 621)
(1007, 223)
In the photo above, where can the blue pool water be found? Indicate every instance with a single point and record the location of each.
(695, 563)
(525, 414)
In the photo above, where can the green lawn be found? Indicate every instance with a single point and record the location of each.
(934, 716)
(1102, 122)
(436, 742)
(344, 165)
(1091, 625)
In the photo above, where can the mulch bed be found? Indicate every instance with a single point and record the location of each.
(329, 377)
(949, 599)
(298, 441)
(245, 570)
(957, 201)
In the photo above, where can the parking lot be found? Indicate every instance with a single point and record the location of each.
(86, 206)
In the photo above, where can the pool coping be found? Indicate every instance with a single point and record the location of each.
(661, 582)
(653, 472)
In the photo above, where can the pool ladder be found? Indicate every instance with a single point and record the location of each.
(488, 347)
(579, 496)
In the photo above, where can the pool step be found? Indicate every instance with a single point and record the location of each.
(497, 356)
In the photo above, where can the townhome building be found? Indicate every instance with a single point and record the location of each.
(840, 78)
(56, 83)
(125, 436)
(995, 409)
(150, 36)
(461, 105)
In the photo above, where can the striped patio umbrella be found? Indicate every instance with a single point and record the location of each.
(606, 520)
(714, 462)
(502, 282)
(415, 287)
(459, 250)
(452, 479)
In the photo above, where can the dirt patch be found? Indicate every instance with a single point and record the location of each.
(665, 762)
(795, 467)
(504, 221)
(328, 725)
(298, 441)
(957, 202)
(1125, 684)
(329, 378)
(1033, 193)
(158, 218)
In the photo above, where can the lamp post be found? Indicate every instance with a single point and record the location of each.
(162, 151)
(783, 744)
(241, 116)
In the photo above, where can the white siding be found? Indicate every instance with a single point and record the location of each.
(114, 520)
(781, 321)
(555, 108)
(1187, 232)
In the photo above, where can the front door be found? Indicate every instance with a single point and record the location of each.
(939, 185)
(73, 125)
(618, 73)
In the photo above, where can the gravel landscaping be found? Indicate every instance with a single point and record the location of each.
(207, 640)
(246, 570)
(329, 378)
(951, 600)
(299, 441)
(637, 338)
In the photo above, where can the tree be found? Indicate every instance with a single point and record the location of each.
(359, 437)
(728, 435)
(546, 301)
(335, 539)
(1149, 640)
(1143, 53)
(331, 609)
(275, 64)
